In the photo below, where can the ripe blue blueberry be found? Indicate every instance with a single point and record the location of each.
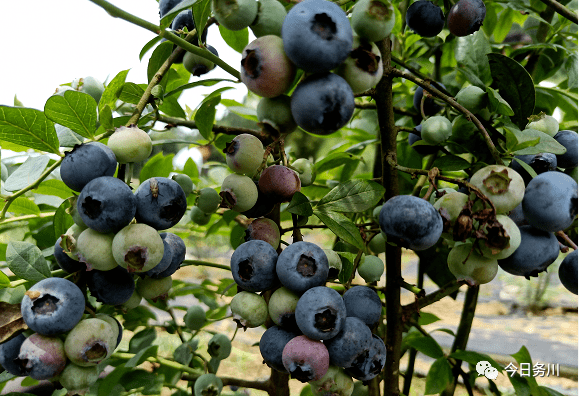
(538, 250)
(320, 313)
(52, 306)
(87, 162)
(179, 250)
(165, 261)
(253, 265)
(322, 103)
(567, 273)
(106, 204)
(466, 17)
(542, 162)
(568, 139)
(368, 367)
(317, 35)
(161, 202)
(425, 18)
(411, 221)
(166, 5)
(9, 351)
(301, 266)
(112, 287)
(271, 345)
(550, 201)
(363, 303)
(42, 357)
(64, 261)
(351, 344)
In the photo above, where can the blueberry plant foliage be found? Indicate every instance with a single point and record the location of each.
(380, 125)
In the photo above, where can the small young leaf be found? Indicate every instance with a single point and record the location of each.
(427, 318)
(74, 110)
(142, 340)
(111, 93)
(26, 261)
(29, 128)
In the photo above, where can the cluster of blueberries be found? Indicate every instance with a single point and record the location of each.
(53, 310)
(318, 335)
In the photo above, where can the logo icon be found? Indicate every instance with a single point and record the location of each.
(484, 368)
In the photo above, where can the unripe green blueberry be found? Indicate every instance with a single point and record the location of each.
(185, 182)
(195, 318)
(434, 196)
(472, 98)
(436, 130)
(77, 379)
(96, 250)
(371, 268)
(73, 211)
(219, 346)
(476, 270)
(335, 263)
(90, 342)
(153, 288)
(363, 68)
(199, 217)
(373, 20)
(275, 113)
(376, 213)
(69, 240)
(208, 385)
(138, 248)
(133, 302)
(269, 19)
(335, 382)
(208, 200)
(544, 123)
(263, 229)
(238, 192)
(198, 65)
(249, 309)
(130, 144)
(244, 154)
(378, 243)
(449, 206)
(306, 171)
(282, 307)
(499, 245)
(503, 186)
(89, 85)
(234, 14)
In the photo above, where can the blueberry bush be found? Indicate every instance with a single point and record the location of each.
(448, 129)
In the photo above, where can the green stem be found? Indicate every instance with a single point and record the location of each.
(205, 264)
(162, 361)
(562, 10)
(216, 128)
(12, 197)
(119, 13)
(432, 297)
(56, 273)
(28, 217)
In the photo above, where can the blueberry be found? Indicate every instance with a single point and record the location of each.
(411, 221)
(130, 144)
(208, 385)
(244, 154)
(567, 273)
(179, 251)
(425, 18)
(430, 106)
(305, 359)
(42, 357)
(248, 309)
(466, 17)
(64, 261)
(219, 346)
(317, 35)
(154, 288)
(550, 201)
(569, 140)
(420, 149)
(165, 261)
(77, 379)
(301, 266)
(263, 229)
(253, 265)
(262, 207)
(208, 200)
(167, 5)
(161, 202)
(322, 103)
(368, 367)
(271, 346)
(137, 248)
(87, 162)
(518, 216)
(282, 308)
(106, 204)
(9, 351)
(238, 192)
(351, 344)
(115, 325)
(542, 162)
(503, 186)
(112, 287)
(195, 318)
(320, 313)
(279, 182)
(538, 250)
(90, 342)
(363, 303)
(52, 306)
(94, 249)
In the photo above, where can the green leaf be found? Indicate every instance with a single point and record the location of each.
(112, 91)
(172, 108)
(131, 93)
(342, 226)
(148, 46)
(236, 236)
(427, 318)
(205, 116)
(504, 25)
(106, 118)
(157, 166)
(12, 295)
(473, 358)
(23, 205)
(204, 83)
(470, 53)
(524, 357)
(183, 5)
(74, 110)
(451, 163)
(515, 85)
(4, 281)
(426, 345)
(26, 261)
(29, 128)
(333, 160)
(110, 386)
(62, 221)
(27, 173)
(142, 340)
(526, 166)
(201, 13)
(438, 377)
(142, 355)
(300, 205)
(521, 385)
(549, 391)
(237, 39)
(66, 137)
(352, 196)
(159, 56)
(546, 143)
(497, 104)
(151, 383)
(54, 187)
(190, 169)
(347, 259)
(571, 70)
